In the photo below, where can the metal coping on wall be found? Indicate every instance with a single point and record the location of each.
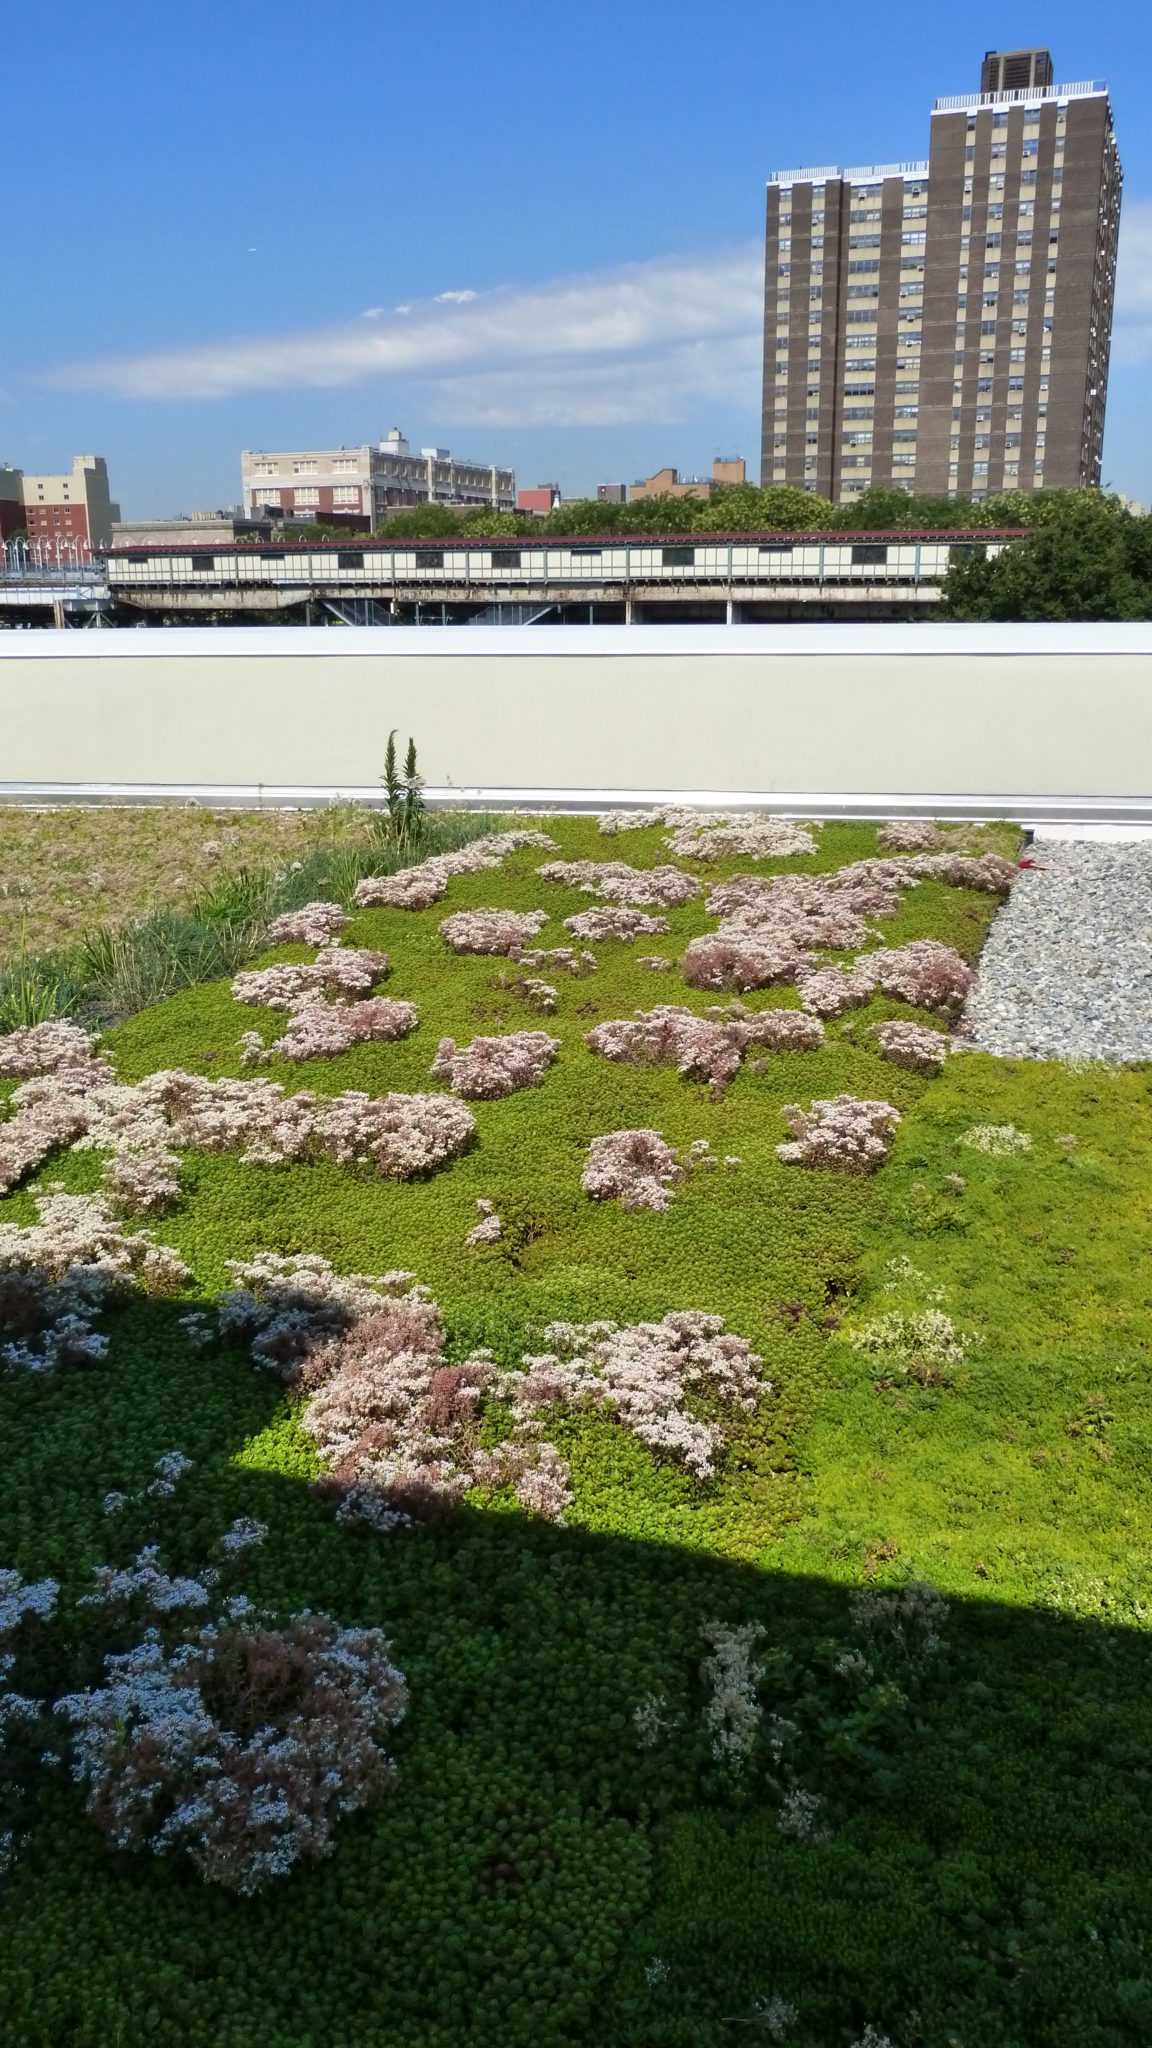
(1018, 809)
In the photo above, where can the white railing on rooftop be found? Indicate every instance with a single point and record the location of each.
(1084, 88)
(860, 174)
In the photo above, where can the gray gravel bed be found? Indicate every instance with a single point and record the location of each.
(1067, 969)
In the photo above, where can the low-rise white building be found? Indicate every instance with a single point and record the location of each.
(360, 486)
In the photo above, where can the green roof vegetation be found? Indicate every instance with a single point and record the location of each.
(921, 1569)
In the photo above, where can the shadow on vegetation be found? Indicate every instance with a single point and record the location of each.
(974, 1875)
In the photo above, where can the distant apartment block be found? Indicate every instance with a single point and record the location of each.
(360, 486)
(73, 512)
(946, 324)
(612, 494)
(667, 483)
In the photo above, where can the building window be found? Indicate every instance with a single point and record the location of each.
(308, 496)
(305, 467)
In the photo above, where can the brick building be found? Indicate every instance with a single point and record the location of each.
(945, 324)
(667, 483)
(66, 515)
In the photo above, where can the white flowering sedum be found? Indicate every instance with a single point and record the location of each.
(732, 1672)
(643, 1373)
(144, 1183)
(400, 1134)
(702, 1048)
(670, 1036)
(565, 958)
(417, 888)
(335, 971)
(614, 923)
(287, 1306)
(490, 1229)
(702, 837)
(241, 1748)
(320, 1030)
(58, 1274)
(616, 882)
(17, 1598)
(999, 1141)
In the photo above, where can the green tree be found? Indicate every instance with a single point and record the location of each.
(775, 508)
(1086, 557)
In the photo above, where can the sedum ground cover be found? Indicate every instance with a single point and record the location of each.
(707, 1761)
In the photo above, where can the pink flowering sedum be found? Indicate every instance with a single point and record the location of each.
(807, 909)
(779, 1030)
(841, 1132)
(143, 1183)
(989, 872)
(701, 1048)
(914, 1046)
(495, 1066)
(335, 972)
(830, 991)
(314, 925)
(672, 1037)
(926, 973)
(491, 931)
(614, 924)
(44, 1049)
(635, 1168)
(742, 962)
(911, 835)
(319, 1030)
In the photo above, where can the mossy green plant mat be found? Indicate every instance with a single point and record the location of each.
(976, 1874)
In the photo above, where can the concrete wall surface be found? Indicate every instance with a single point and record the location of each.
(848, 713)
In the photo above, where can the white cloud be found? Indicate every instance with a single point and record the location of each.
(644, 342)
(1132, 327)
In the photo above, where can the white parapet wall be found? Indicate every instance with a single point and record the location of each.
(1020, 720)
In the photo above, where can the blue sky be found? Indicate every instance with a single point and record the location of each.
(528, 233)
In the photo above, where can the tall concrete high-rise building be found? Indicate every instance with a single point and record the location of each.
(945, 324)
